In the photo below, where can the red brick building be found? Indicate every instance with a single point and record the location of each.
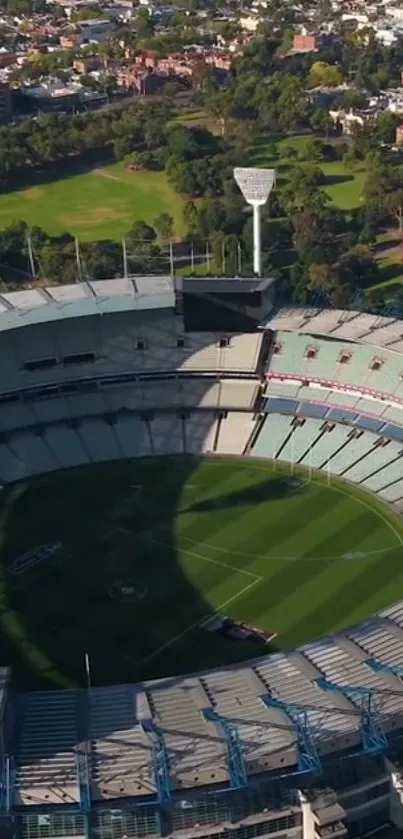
(305, 43)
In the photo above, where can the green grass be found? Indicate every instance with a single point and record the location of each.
(184, 537)
(344, 187)
(102, 204)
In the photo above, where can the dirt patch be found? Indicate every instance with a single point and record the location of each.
(94, 216)
(104, 174)
(34, 193)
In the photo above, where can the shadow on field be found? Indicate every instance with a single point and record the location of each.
(276, 489)
(117, 589)
(332, 180)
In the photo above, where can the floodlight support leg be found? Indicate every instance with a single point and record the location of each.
(257, 246)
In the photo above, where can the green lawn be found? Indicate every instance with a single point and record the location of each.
(149, 548)
(344, 187)
(102, 204)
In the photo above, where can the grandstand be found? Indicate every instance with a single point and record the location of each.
(306, 743)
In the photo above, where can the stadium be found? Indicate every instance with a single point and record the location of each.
(197, 484)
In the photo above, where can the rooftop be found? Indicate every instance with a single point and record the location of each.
(187, 714)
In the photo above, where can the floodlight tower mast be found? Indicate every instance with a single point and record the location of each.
(256, 185)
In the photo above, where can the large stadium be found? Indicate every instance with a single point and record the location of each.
(197, 485)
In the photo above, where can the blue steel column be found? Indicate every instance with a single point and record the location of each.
(381, 667)
(84, 785)
(235, 758)
(308, 758)
(372, 734)
(160, 758)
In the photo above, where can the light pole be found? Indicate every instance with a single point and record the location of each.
(255, 185)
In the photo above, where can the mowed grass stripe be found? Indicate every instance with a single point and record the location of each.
(314, 535)
(289, 577)
(283, 557)
(329, 579)
(285, 589)
(251, 536)
(359, 588)
(191, 520)
(207, 577)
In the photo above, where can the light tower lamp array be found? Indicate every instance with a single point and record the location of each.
(256, 186)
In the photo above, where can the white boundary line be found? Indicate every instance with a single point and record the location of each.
(278, 557)
(344, 491)
(197, 623)
(214, 561)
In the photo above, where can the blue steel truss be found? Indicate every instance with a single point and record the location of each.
(160, 760)
(372, 734)
(381, 667)
(236, 764)
(6, 787)
(83, 774)
(308, 758)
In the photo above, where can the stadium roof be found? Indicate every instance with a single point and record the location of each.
(51, 303)
(337, 323)
(38, 305)
(224, 284)
(120, 748)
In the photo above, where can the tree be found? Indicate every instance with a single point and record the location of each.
(321, 276)
(302, 190)
(386, 125)
(357, 267)
(141, 235)
(394, 206)
(380, 180)
(218, 105)
(321, 121)
(143, 23)
(181, 143)
(121, 148)
(322, 74)
(314, 150)
(349, 159)
(190, 215)
(164, 226)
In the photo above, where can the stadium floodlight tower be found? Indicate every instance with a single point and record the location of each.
(256, 186)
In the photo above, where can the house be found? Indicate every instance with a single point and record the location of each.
(306, 43)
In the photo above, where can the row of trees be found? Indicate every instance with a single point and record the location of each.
(61, 138)
(55, 258)
(197, 162)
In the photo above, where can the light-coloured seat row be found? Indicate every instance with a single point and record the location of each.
(332, 398)
(123, 342)
(344, 364)
(375, 462)
(46, 770)
(121, 751)
(203, 392)
(234, 433)
(94, 439)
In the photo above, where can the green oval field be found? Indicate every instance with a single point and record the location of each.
(128, 561)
